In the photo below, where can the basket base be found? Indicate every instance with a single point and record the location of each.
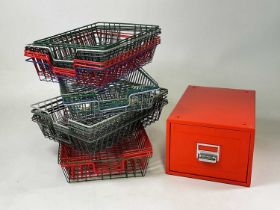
(141, 172)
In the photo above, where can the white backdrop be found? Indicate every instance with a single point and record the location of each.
(211, 43)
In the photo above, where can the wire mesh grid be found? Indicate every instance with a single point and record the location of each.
(95, 54)
(93, 73)
(127, 158)
(135, 91)
(97, 42)
(94, 134)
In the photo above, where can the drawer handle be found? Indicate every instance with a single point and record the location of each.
(209, 156)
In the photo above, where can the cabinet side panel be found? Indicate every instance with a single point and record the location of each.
(250, 161)
(167, 148)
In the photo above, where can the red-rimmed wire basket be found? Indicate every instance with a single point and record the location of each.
(128, 158)
(95, 54)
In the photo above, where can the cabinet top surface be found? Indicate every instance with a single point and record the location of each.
(216, 106)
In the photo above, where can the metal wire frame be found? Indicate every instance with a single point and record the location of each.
(93, 73)
(101, 40)
(127, 158)
(94, 134)
(135, 91)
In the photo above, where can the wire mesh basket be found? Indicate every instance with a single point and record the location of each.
(135, 91)
(128, 158)
(94, 134)
(95, 54)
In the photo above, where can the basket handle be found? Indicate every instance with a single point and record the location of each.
(31, 60)
(140, 154)
(37, 55)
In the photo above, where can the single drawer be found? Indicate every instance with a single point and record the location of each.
(209, 152)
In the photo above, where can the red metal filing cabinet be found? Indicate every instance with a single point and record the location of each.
(210, 135)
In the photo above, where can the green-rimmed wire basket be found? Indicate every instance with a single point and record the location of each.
(135, 91)
(95, 134)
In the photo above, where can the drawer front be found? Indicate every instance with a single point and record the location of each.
(210, 152)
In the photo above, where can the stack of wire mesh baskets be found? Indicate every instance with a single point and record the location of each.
(106, 101)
